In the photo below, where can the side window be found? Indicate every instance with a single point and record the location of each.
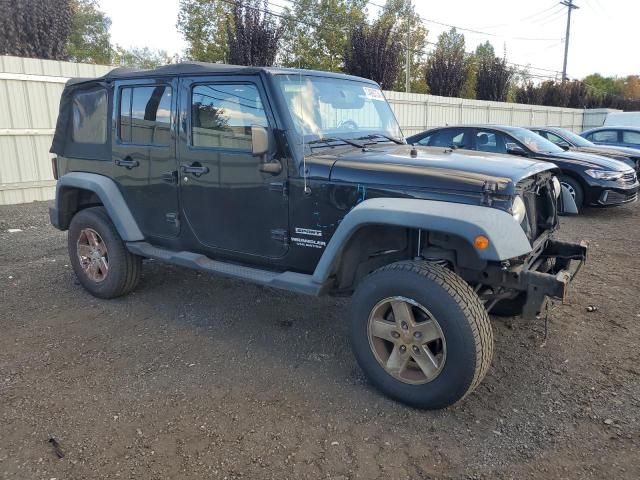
(629, 136)
(90, 117)
(488, 141)
(145, 115)
(454, 137)
(554, 139)
(222, 115)
(605, 136)
(425, 140)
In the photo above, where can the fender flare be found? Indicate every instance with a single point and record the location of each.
(110, 196)
(506, 237)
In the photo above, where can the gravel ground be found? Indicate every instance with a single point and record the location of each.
(194, 376)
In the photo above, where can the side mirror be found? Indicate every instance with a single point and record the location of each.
(259, 140)
(566, 203)
(515, 149)
(564, 146)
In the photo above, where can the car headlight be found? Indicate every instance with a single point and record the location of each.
(518, 210)
(557, 188)
(604, 174)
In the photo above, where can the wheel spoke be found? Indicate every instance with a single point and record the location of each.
(84, 250)
(402, 312)
(92, 270)
(92, 238)
(427, 362)
(428, 331)
(397, 361)
(104, 266)
(383, 329)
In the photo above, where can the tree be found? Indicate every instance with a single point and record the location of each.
(375, 52)
(204, 26)
(89, 41)
(493, 75)
(35, 28)
(605, 85)
(404, 18)
(448, 66)
(316, 32)
(528, 93)
(145, 58)
(253, 36)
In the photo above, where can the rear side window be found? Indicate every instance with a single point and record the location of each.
(425, 140)
(630, 137)
(605, 136)
(145, 115)
(90, 117)
(222, 115)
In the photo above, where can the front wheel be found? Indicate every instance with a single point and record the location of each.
(575, 189)
(421, 334)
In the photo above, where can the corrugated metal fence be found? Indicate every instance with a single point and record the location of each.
(30, 92)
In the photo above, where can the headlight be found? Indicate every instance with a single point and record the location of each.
(556, 186)
(604, 174)
(518, 209)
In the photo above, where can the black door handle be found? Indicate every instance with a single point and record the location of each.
(194, 169)
(127, 162)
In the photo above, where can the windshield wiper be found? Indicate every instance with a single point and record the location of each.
(336, 139)
(374, 135)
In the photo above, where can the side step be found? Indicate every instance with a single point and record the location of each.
(292, 281)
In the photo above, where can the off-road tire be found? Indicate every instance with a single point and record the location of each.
(124, 268)
(577, 188)
(460, 314)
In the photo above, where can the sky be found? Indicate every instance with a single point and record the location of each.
(604, 33)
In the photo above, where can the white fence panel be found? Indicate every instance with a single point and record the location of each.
(30, 91)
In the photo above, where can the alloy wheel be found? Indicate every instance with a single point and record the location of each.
(93, 255)
(406, 340)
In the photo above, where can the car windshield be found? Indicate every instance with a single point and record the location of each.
(535, 142)
(334, 108)
(576, 139)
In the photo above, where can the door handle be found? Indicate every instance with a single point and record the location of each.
(127, 162)
(194, 169)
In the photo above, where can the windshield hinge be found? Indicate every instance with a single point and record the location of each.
(280, 187)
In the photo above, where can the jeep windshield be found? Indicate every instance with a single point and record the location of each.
(326, 110)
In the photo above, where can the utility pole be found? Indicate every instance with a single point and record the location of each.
(407, 72)
(570, 6)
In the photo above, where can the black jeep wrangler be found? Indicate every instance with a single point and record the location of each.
(302, 180)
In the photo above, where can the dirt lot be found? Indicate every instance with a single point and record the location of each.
(194, 376)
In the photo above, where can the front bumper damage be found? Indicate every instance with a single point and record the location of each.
(568, 259)
(545, 273)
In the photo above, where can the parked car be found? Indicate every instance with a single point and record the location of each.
(592, 180)
(301, 180)
(567, 140)
(615, 136)
(622, 119)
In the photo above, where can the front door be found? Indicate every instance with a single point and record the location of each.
(144, 153)
(228, 201)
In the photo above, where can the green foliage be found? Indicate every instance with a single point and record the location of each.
(448, 66)
(492, 74)
(35, 28)
(402, 15)
(204, 26)
(89, 41)
(145, 58)
(316, 32)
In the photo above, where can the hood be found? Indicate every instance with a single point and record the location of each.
(588, 160)
(431, 168)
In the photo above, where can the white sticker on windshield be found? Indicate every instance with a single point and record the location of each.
(373, 93)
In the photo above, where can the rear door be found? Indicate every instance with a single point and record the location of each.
(228, 201)
(144, 153)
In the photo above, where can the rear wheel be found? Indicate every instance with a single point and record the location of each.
(99, 257)
(575, 189)
(421, 334)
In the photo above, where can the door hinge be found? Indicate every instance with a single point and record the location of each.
(280, 235)
(172, 218)
(280, 187)
(170, 177)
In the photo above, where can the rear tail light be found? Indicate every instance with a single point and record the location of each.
(54, 167)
